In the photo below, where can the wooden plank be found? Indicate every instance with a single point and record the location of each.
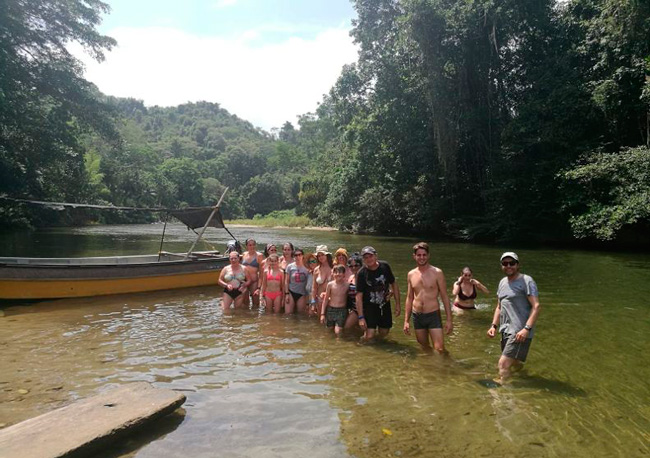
(86, 426)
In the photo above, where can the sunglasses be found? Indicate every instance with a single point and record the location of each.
(298, 254)
(353, 266)
(509, 263)
(313, 261)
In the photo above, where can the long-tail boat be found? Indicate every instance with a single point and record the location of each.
(50, 278)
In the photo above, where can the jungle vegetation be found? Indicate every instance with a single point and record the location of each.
(478, 120)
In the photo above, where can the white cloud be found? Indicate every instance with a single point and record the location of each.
(265, 84)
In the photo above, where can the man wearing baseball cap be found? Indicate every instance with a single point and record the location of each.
(374, 282)
(515, 316)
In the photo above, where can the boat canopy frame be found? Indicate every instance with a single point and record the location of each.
(192, 217)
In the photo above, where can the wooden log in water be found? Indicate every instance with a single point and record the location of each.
(86, 426)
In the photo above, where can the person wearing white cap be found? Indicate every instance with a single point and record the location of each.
(374, 283)
(515, 315)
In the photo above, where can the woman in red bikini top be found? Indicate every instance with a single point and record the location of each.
(465, 290)
(272, 285)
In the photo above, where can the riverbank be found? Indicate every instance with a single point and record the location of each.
(281, 219)
(238, 223)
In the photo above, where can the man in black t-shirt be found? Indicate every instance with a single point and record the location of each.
(374, 282)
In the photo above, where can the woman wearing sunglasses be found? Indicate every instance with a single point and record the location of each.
(465, 291)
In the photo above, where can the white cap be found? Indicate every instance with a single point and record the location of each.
(510, 254)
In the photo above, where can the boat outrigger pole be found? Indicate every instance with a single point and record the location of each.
(207, 222)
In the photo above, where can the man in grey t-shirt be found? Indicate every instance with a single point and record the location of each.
(517, 310)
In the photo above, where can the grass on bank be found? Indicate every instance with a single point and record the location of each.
(286, 218)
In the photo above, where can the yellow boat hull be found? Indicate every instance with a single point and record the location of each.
(32, 279)
(55, 289)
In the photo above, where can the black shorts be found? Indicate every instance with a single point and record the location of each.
(378, 317)
(232, 293)
(431, 320)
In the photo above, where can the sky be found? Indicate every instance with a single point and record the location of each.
(267, 61)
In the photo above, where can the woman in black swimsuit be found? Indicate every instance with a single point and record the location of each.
(465, 290)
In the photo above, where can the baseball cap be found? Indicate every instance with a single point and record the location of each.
(368, 250)
(510, 254)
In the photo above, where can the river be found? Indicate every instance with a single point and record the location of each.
(264, 385)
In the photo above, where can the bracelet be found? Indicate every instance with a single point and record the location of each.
(494, 326)
(361, 317)
(286, 294)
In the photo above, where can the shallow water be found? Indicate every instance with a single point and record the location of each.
(265, 385)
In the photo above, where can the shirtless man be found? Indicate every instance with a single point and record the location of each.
(425, 284)
(335, 302)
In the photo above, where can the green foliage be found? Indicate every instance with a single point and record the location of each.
(609, 191)
(277, 218)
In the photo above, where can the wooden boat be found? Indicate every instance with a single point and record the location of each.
(50, 278)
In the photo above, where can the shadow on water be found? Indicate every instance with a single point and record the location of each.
(543, 383)
(536, 382)
(144, 435)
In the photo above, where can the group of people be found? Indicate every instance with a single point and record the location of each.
(355, 291)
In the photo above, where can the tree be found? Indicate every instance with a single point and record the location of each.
(44, 102)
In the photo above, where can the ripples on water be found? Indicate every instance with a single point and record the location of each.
(266, 385)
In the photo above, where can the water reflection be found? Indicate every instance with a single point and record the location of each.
(275, 385)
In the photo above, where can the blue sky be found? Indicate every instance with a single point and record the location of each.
(265, 61)
(230, 17)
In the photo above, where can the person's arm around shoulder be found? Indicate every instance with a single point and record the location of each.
(495, 320)
(408, 305)
(442, 291)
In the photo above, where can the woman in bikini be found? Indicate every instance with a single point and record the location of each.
(465, 291)
(322, 276)
(272, 285)
(252, 261)
(295, 284)
(234, 279)
(354, 264)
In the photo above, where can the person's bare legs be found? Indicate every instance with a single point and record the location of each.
(422, 336)
(437, 337)
(239, 302)
(301, 305)
(351, 321)
(256, 297)
(226, 301)
(289, 308)
(505, 365)
(277, 304)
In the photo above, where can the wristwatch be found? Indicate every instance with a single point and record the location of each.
(527, 328)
